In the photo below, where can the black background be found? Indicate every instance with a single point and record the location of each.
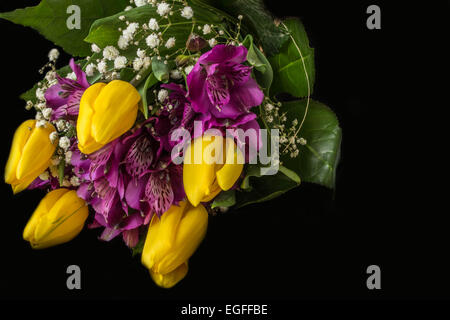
(309, 243)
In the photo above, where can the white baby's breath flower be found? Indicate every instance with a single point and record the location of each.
(129, 32)
(147, 62)
(187, 13)
(90, 68)
(269, 107)
(188, 69)
(138, 63)
(120, 62)
(162, 95)
(40, 94)
(212, 42)
(206, 29)
(53, 55)
(75, 181)
(55, 160)
(128, 8)
(122, 43)
(66, 183)
(102, 67)
(29, 105)
(61, 125)
(121, 18)
(176, 74)
(47, 112)
(68, 156)
(140, 3)
(71, 75)
(163, 8)
(140, 53)
(95, 48)
(41, 106)
(53, 136)
(64, 143)
(50, 76)
(170, 42)
(153, 24)
(44, 176)
(110, 53)
(41, 124)
(152, 40)
(39, 116)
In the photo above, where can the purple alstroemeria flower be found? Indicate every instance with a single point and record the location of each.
(64, 97)
(155, 183)
(221, 86)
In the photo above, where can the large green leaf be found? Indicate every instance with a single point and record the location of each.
(49, 18)
(258, 188)
(318, 158)
(257, 19)
(290, 63)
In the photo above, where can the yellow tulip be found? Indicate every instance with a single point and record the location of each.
(30, 154)
(59, 218)
(214, 164)
(106, 112)
(171, 241)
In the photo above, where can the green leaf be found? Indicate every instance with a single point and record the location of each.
(256, 19)
(225, 199)
(160, 70)
(318, 159)
(263, 69)
(143, 88)
(49, 18)
(263, 188)
(290, 63)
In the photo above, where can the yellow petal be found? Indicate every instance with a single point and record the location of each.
(62, 223)
(85, 114)
(37, 152)
(20, 138)
(161, 235)
(232, 169)
(198, 178)
(190, 233)
(170, 279)
(43, 208)
(115, 111)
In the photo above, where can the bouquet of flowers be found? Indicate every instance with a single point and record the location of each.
(170, 110)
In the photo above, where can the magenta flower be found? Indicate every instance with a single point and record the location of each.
(221, 86)
(64, 97)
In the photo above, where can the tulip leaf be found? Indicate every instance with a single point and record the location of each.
(143, 88)
(225, 199)
(263, 69)
(57, 20)
(318, 158)
(260, 188)
(257, 20)
(290, 63)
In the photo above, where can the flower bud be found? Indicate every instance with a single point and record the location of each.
(58, 218)
(171, 241)
(195, 43)
(106, 112)
(211, 164)
(30, 154)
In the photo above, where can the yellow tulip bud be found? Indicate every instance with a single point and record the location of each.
(30, 154)
(171, 241)
(106, 112)
(211, 164)
(58, 218)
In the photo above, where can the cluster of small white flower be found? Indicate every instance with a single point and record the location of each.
(287, 132)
